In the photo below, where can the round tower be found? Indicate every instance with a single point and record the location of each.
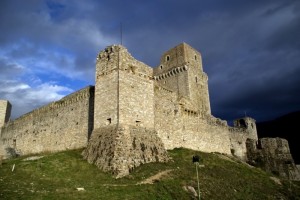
(249, 125)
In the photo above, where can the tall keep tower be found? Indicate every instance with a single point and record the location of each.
(5, 110)
(124, 90)
(124, 136)
(181, 71)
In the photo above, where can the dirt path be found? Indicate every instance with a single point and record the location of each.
(155, 177)
(149, 180)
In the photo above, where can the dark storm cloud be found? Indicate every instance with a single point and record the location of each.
(9, 69)
(33, 24)
(253, 74)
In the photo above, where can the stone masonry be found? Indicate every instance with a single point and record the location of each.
(133, 115)
(124, 136)
(61, 125)
(273, 155)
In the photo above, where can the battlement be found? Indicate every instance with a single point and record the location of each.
(160, 87)
(171, 72)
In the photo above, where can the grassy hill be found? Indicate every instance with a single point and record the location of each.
(56, 176)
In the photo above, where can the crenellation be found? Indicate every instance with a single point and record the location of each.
(159, 87)
(170, 72)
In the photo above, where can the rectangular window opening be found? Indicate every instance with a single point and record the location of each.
(14, 143)
(108, 121)
(138, 123)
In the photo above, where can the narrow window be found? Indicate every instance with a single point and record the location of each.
(196, 79)
(195, 57)
(242, 123)
(138, 123)
(108, 121)
(168, 58)
(14, 143)
(161, 67)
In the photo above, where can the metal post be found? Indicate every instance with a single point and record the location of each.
(198, 179)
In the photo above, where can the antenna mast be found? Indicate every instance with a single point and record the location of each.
(121, 33)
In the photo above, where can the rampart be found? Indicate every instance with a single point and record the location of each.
(60, 125)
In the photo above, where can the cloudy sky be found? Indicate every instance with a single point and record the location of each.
(250, 49)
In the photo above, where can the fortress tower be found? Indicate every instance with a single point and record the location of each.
(5, 110)
(124, 90)
(181, 71)
(249, 125)
(124, 135)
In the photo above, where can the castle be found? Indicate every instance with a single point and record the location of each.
(134, 113)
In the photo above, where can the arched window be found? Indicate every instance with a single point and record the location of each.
(167, 58)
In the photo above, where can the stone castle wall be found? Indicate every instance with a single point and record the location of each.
(179, 125)
(61, 125)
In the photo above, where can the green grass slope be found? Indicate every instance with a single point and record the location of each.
(56, 176)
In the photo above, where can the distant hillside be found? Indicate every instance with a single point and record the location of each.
(58, 176)
(288, 127)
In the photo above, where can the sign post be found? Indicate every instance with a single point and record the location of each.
(196, 160)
